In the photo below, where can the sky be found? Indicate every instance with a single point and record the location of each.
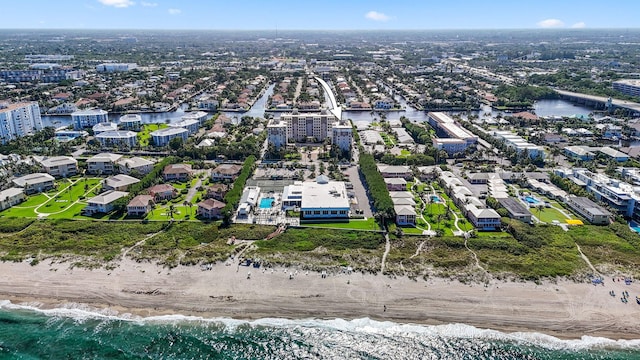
(318, 15)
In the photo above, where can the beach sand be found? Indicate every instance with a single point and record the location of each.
(564, 309)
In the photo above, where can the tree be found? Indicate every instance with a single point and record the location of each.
(176, 143)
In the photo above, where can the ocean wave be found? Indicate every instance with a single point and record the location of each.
(82, 312)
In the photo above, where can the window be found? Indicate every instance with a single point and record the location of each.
(325, 212)
(316, 212)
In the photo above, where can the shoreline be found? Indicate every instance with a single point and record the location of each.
(565, 310)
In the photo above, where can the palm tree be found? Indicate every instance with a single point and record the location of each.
(171, 210)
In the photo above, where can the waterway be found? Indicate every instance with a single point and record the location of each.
(542, 108)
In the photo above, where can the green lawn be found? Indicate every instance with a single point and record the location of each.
(404, 153)
(548, 215)
(144, 136)
(355, 224)
(388, 140)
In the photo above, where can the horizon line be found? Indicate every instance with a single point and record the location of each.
(369, 29)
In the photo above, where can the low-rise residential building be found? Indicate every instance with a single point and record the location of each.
(519, 144)
(614, 154)
(516, 209)
(103, 203)
(162, 192)
(104, 127)
(292, 196)
(140, 205)
(177, 172)
(131, 122)
(117, 138)
(103, 164)
(589, 210)
(119, 182)
(447, 128)
(58, 166)
(405, 214)
(395, 184)
(217, 191)
(579, 152)
(199, 116)
(138, 164)
(88, 118)
(210, 209)
(191, 125)
(228, 172)
(162, 137)
(395, 171)
(35, 183)
(10, 197)
(248, 200)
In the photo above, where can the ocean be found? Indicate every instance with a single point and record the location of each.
(76, 332)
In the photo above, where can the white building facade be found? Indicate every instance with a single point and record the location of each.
(17, 120)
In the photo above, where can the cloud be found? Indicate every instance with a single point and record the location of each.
(148, 4)
(579, 25)
(174, 11)
(117, 3)
(376, 16)
(551, 23)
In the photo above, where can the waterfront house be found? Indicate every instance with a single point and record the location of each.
(140, 205)
(10, 197)
(103, 203)
(210, 209)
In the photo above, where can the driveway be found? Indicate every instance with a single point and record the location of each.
(359, 191)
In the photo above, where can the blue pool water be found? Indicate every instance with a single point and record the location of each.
(435, 199)
(532, 200)
(634, 226)
(265, 203)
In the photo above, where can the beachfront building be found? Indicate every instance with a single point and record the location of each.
(131, 122)
(216, 191)
(446, 128)
(104, 127)
(210, 209)
(248, 200)
(20, 119)
(162, 192)
(140, 205)
(395, 184)
(35, 183)
(137, 164)
(619, 195)
(58, 166)
(119, 182)
(11, 196)
(594, 213)
(177, 172)
(102, 164)
(482, 218)
(405, 214)
(162, 137)
(516, 209)
(226, 172)
(103, 203)
(88, 118)
(191, 125)
(324, 199)
(292, 196)
(277, 133)
(120, 138)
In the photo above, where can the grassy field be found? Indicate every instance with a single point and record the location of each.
(548, 215)
(60, 204)
(144, 136)
(354, 224)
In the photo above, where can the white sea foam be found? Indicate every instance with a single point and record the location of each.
(81, 312)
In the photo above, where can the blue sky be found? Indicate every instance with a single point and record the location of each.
(322, 14)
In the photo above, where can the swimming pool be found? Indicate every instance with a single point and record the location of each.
(435, 199)
(634, 226)
(532, 200)
(267, 202)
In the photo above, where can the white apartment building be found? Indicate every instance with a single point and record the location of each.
(277, 133)
(141, 165)
(88, 118)
(342, 135)
(58, 166)
(18, 120)
(130, 122)
(163, 136)
(104, 163)
(116, 67)
(303, 127)
(117, 138)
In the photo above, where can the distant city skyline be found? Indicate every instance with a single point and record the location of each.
(323, 15)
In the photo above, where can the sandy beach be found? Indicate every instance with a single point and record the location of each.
(565, 309)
